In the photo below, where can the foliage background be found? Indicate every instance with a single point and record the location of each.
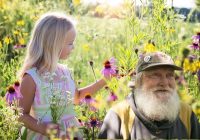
(103, 32)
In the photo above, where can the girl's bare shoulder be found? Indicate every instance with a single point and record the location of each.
(27, 84)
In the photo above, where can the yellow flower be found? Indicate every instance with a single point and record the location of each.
(21, 41)
(20, 23)
(192, 67)
(186, 65)
(86, 47)
(76, 2)
(7, 40)
(185, 96)
(177, 62)
(15, 32)
(197, 64)
(197, 111)
(150, 48)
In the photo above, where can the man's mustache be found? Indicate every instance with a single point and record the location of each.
(162, 90)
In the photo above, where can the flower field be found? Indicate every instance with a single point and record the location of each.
(102, 33)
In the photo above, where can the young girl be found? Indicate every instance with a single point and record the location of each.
(52, 39)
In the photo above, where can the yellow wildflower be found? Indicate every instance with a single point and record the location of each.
(197, 111)
(150, 48)
(193, 68)
(6, 40)
(185, 96)
(186, 65)
(20, 23)
(177, 62)
(197, 64)
(21, 41)
(86, 47)
(76, 2)
(15, 32)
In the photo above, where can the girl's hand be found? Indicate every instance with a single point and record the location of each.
(52, 129)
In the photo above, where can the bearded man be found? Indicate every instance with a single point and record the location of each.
(153, 110)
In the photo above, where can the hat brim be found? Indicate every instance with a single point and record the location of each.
(161, 65)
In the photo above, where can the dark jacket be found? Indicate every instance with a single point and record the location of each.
(145, 129)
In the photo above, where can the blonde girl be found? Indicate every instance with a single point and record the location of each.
(52, 39)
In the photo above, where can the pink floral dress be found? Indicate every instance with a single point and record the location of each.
(40, 110)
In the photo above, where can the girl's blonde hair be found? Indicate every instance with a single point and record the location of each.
(46, 43)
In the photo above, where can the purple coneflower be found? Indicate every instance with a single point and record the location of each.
(93, 122)
(195, 46)
(197, 36)
(88, 100)
(112, 97)
(109, 67)
(11, 95)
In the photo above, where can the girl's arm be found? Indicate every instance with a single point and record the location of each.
(91, 89)
(27, 90)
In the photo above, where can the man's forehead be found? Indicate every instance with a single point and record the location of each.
(160, 69)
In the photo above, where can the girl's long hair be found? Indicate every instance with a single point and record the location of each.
(46, 43)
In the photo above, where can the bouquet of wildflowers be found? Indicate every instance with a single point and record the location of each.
(58, 99)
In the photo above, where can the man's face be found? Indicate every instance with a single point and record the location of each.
(160, 81)
(156, 95)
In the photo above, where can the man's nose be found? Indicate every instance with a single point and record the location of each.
(164, 81)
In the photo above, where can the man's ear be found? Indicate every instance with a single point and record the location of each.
(138, 80)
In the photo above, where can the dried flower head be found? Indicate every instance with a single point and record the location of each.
(11, 90)
(17, 83)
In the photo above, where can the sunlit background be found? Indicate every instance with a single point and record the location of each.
(114, 3)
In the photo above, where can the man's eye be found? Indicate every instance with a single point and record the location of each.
(154, 75)
(170, 75)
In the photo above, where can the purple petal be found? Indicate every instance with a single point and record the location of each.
(195, 47)
(196, 37)
(17, 90)
(11, 97)
(108, 72)
(112, 60)
(112, 97)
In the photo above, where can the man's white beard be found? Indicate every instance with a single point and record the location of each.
(156, 108)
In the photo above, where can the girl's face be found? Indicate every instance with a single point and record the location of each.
(69, 43)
